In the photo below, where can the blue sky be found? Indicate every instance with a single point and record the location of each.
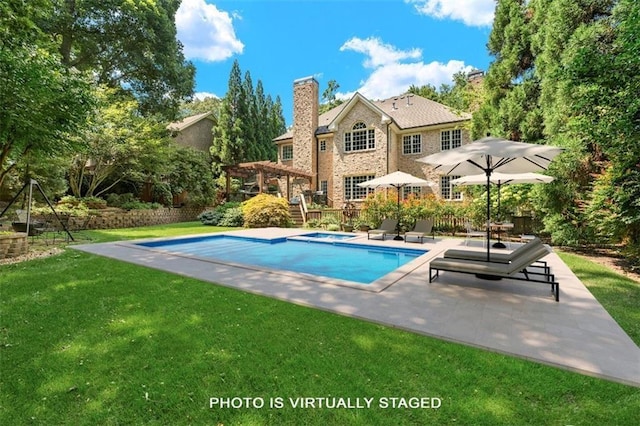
(376, 47)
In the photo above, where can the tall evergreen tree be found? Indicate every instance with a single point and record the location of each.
(510, 109)
(277, 124)
(228, 145)
(263, 136)
(251, 123)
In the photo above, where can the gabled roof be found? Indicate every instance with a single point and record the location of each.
(406, 111)
(348, 106)
(188, 121)
(409, 111)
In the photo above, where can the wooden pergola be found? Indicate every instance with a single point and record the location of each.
(264, 170)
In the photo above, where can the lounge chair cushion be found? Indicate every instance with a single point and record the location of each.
(493, 257)
(388, 226)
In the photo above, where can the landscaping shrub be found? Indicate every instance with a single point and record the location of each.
(265, 210)
(312, 223)
(232, 217)
(140, 205)
(117, 200)
(128, 201)
(94, 203)
(210, 217)
(227, 214)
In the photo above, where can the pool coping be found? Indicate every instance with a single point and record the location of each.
(375, 286)
(507, 317)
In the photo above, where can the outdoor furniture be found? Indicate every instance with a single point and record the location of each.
(517, 269)
(421, 229)
(495, 257)
(473, 234)
(35, 228)
(388, 226)
(498, 228)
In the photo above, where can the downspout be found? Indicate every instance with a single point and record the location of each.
(317, 162)
(388, 147)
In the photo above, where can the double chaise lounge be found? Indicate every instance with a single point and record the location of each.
(515, 265)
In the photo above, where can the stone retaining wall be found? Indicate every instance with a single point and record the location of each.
(112, 218)
(13, 245)
(134, 218)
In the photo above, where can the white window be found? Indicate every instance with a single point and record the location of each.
(411, 144)
(447, 190)
(407, 190)
(354, 192)
(324, 185)
(323, 146)
(450, 139)
(360, 138)
(287, 152)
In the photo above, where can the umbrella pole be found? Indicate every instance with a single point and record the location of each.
(488, 172)
(398, 237)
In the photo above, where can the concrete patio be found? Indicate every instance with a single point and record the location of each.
(511, 317)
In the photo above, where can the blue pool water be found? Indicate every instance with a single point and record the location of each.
(328, 235)
(352, 262)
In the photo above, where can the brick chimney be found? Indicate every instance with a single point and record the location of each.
(305, 123)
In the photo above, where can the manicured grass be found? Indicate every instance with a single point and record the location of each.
(618, 294)
(172, 230)
(89, 340)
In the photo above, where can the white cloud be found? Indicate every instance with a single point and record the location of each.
(206, 32)
(475, 13)
(378, 53)
(391, 77)
(203, 95)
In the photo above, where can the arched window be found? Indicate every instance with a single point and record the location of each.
(359, 138)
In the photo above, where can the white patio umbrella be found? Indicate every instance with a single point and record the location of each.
(500, 179)
(490, 155)
(396, 180)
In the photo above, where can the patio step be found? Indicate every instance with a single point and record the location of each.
(296, 215)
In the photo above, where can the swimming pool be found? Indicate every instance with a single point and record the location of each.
(360, 263)
(328, 236)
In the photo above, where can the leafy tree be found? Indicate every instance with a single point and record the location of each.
(120, 145)
(461, 96)
(599, 92)
(125, 43)
(427, 91)
(41, 102)
(199, 106)
(329, 97)
(190, 171)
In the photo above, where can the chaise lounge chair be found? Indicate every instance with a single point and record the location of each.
(516, 269)
(388, 226)
(493, 257)
(422, 229)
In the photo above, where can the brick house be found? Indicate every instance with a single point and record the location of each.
(362, 139)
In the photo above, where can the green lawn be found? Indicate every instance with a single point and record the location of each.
(89, 340)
